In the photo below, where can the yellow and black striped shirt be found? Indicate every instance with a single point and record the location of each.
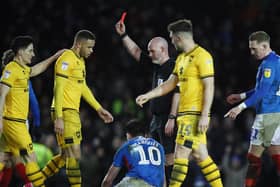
(16, 76)
(190, 69)
(72, 68)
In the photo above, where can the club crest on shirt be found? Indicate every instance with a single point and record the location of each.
(64, 66)
(209, 62)
(6, 74)
(267, 72)
(181, 70)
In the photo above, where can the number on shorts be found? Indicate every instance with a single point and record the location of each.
(254, 134)
(152, 157)
(185, 130)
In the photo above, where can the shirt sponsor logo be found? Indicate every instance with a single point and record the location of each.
(267, 72)
(6, 74)
(64, 66)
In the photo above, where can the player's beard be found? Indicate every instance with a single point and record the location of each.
(157, 61)
(179, 49)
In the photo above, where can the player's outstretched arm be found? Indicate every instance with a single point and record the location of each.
(234, 112)
(42, 66)
(110, 176)
(236, 98)
(166, 87)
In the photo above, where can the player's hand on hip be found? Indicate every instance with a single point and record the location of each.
(233, 113)
(233, 98)
(142, 99)
(169, 127)
(105, 115)
(120, 27)
(203, 124)
(59, 126)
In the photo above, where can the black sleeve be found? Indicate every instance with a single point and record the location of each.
(177, 90)
(144, 58)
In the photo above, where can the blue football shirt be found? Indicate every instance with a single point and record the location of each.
(266, 95)
(144, 159)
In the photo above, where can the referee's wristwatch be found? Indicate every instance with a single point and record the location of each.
(171, 116)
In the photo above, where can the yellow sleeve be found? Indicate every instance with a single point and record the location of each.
(63, 68)
(89, 98)
(206, 66)
(8, 76)
(58, 95)
(63, 65)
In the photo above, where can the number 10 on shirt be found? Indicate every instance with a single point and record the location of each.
(150, 157)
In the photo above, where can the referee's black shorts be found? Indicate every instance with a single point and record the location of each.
(157, 127)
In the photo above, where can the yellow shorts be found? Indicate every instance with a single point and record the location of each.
(72, 129)
(187, 134)
(16, 138)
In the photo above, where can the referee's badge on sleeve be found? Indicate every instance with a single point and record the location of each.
(267, 72)
(64, 66)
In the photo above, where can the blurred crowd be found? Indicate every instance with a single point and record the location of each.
(222, 27)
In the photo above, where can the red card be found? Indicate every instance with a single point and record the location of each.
(123, 16)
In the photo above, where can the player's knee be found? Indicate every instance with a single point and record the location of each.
(16, 159)
(76, 155)
(73, 153)
(76, 152)
(67, 152)
(2, 157)
(63, 154)
(253, 159)
(33, 157)
(182, 150)
(200, 154)
(196, 157)
(8, 163)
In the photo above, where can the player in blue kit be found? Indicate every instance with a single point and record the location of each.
(142, 157)
(265, 98)
(34, 106)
